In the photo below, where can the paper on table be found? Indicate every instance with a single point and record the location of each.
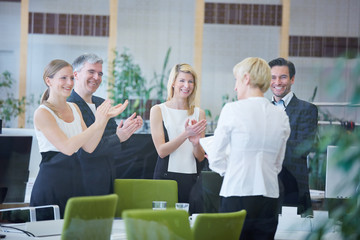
(207, 143)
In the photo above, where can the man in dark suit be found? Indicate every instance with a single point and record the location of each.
(97, 167)
(303, 117)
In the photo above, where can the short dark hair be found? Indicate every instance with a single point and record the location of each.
(283, 62)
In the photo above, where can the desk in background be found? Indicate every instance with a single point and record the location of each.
(137, 159)
(51, 230)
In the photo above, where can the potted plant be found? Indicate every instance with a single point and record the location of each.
(160, 80)
(344, 214)
(129, 84)
(10, 106)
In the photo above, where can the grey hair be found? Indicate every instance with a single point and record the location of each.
(91, 58)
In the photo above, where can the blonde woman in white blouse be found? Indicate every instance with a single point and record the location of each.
(176, 127)
(256, 132)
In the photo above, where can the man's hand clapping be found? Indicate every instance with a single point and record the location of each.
(118, 109)
(128, 127)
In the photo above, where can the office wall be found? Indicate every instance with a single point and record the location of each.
(323, 18)
(149, 28)
(226, 44)
(10, 41)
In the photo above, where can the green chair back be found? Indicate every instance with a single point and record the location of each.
(148, 224)
(89, 217)
(219, 225)
(140, 193)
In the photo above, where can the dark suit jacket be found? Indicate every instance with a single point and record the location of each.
(134, 158)
(97, 167)
(87, 114)
(303, 118)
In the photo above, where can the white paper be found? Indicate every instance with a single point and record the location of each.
(206, 143)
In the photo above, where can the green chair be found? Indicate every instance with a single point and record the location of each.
(89, 217)
(148, 224)
(219, 225)
(140, 193)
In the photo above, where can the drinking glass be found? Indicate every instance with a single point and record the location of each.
(159, 205)
(182, 206)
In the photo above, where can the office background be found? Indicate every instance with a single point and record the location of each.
(319, 32)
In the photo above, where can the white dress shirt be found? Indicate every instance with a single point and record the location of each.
(284, 101)
(257, 132)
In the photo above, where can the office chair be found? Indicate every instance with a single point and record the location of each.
(211, 184)
(89, 217)
(148, 224)
(219, 225)
(140, 193)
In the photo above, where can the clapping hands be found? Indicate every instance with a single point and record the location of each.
(195, 130)
(128, 127)
(106, 111)
(118, 109)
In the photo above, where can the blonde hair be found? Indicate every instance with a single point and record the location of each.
(50, 70)
(185, 68)
(259, 71)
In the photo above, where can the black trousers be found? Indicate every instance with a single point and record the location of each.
(261, 217)
(185, 181)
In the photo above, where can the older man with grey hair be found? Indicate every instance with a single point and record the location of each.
(97, 168)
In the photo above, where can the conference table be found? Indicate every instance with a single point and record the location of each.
(290, 227)
(51, 230)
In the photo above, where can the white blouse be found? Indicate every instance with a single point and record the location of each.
(70, 129)
(182, 160)
(257, 132)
